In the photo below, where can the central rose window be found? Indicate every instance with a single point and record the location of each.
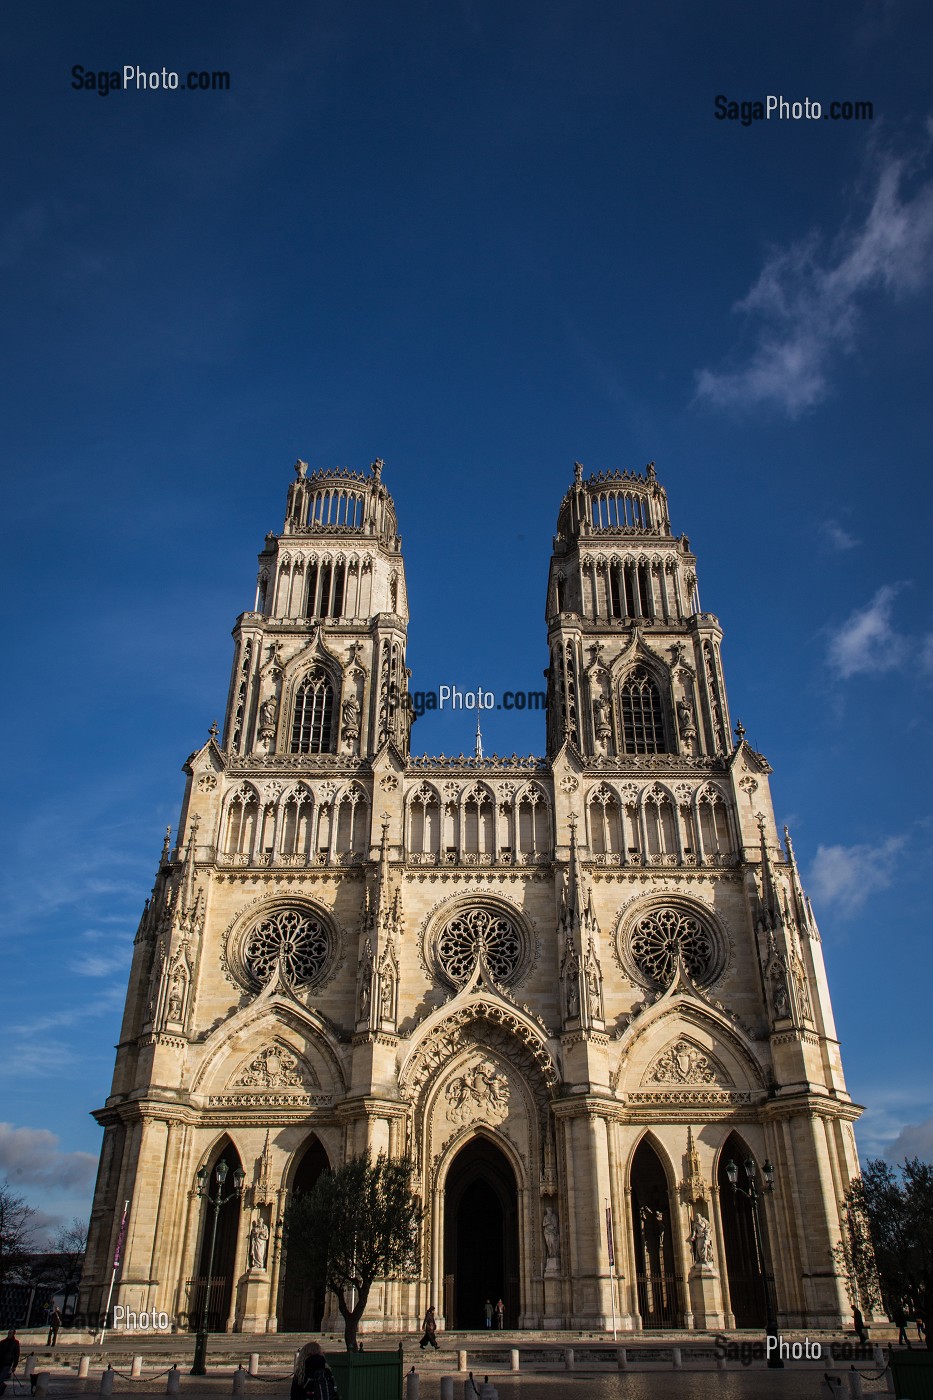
(472, 932)
(293, 939)
(667, 934)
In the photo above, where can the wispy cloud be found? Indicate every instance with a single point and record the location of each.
(867, 641)
(837, 537)
(33, 1156)
(843, 877)
(804, 309)
(100, 964)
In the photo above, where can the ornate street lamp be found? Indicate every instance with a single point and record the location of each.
(220, 1174)
(752, 1195)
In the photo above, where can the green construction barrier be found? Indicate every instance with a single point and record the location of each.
(367, 1375)
(913, 1374)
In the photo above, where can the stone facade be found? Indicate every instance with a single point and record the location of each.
(571, 988)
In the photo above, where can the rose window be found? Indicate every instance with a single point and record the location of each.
(659, 938)
(292, 939)
(476, 931)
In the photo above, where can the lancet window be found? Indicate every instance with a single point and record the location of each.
(605, 823)
(353, 822)
(312, 723)
(242, 815)
(534, 826)
(478, 833)
(425, 822)
(297, 825)
(327, 587)
(642, 714)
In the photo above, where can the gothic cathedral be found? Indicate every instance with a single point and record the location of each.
(578, 991)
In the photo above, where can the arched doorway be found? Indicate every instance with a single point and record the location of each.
(480, 1236)
(212, 1297)
(746, 1256)
(302, 1303)
(655, 1276)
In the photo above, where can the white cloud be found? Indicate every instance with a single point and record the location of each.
(913, 1140)
(804, 307)
(867, 641)
(33, 1157)
(100, 964)
(843, 877)
(837, 537)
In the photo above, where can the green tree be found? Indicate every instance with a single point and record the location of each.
(355, 1225)
(899, 1207)
(16, 1229)
(855, 1253)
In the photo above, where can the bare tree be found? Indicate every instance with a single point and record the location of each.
(16, 1232)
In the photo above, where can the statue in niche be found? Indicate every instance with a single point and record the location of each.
(573, 990)
(258, 1244)
(685, 724)
(781, 999)
(175, 1000)
(350, 713)
(592, 987)
(387, 995)
(701, 1240)
(267, 713)
(551, 1227)
(364, 998)
(601, 722)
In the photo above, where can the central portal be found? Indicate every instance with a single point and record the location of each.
(480, 1237)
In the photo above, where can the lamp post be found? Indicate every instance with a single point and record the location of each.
(752, 1195)
(220, 1175)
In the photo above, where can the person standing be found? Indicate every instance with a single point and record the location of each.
(429, 1327)
(861, 1331)
(9, 1357)
(899, 1318)
(487, 1311)
(500, 1314)
(55, 1322)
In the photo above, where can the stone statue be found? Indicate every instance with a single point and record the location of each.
(551, 1229)
(387, 995)
(258, 1244)
(781, 1002)
(592, 987)
(351, 717)
(573, 991)
(364, 998)
(267, 713)
(685, 724)
(174, 1003)
(700, 1240)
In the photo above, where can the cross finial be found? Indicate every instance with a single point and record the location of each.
(740, 731)
(214, 730)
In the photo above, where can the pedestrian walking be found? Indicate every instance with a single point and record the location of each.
(9, 1357)
(55, 1322)
(487, 1311)
(500, 1314)
(429, 1328)
(899, 1318)
(313, 1378)
(861, 1331)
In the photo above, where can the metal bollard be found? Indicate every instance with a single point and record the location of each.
(468, 1392)
(173, 1381)
(239, 1381)
(106, 1381)
(447, 1388)
(720, 1361)
(568, 1358)
(412, 1385)
(137, 1367)
(42, 1382)
(461, 1361)
(30, 1364)
(487, 1391)
(84, 1365)
(677, 1359)
(254, 1363)
(855, 1383)
(622, 1359)
(513, 1359)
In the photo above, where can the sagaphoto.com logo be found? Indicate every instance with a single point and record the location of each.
(132, 78)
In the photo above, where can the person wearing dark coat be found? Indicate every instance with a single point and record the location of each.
(9, 1357)
(313, 1378)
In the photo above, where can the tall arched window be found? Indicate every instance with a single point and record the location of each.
(642, 716)
(314, 712)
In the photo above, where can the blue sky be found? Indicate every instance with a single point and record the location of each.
(480, 241)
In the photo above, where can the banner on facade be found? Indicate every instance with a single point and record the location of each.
(609, 1242)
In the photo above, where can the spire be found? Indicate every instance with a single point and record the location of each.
(770, 905)
(478, 750)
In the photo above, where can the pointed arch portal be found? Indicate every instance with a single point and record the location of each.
(215, 1295)
(302, 1303)
(746, 1255)
(657, 1284)
(480, 1236)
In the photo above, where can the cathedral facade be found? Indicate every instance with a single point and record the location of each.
(575, 990)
